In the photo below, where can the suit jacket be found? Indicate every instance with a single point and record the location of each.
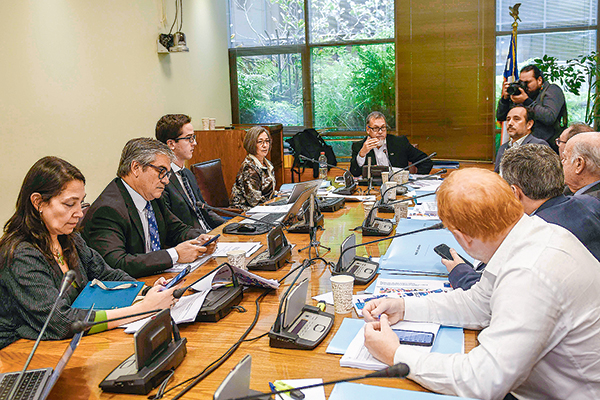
(593, 191)
(113, 227)
(528, 139)
(177, 201)
(400, 152)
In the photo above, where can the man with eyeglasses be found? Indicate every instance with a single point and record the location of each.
(384, 149)
(182, 193)
(129, 224)
(581, 163)
(573, 129)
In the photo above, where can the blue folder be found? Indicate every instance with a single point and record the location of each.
(415, 252)
(357, 391)
(449, 340)
(107, 299)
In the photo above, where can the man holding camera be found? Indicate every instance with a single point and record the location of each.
(546, 100)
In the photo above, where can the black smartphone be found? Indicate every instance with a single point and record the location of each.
(210, 241)
(178, 278)
(444, 251)
(415, 338)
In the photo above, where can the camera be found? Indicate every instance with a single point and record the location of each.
(513, 88)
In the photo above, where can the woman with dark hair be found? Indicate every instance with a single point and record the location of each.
(39, 246)
(255, 182)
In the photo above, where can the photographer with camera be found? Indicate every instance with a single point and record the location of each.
(546, 100)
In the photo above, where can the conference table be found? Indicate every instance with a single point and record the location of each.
(97, 355)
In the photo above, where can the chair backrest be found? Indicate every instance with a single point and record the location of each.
(209, 175)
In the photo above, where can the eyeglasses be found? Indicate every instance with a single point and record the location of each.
(266, 141)
(190, 138)
(162, 171)
(377, 129)
(558, 141)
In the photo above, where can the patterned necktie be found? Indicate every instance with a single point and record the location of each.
(192, 197)
(152, 228)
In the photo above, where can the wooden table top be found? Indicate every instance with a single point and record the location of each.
(97, 355)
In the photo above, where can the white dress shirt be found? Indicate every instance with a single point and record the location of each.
(381, 156)
(140, 206)
(538, 303)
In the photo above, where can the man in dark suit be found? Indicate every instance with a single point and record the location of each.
(384, 149)
(533, 171)
(581, 162)
(182, 192)
(130, 226)
(519, 122)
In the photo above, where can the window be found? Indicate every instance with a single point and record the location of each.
(320, 63)
(564, 29)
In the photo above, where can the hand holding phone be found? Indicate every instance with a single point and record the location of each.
(178, 278)
(444, 251)
(211, 240)
(414, 338)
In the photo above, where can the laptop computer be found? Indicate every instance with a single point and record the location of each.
(36, 384)
(297, 191)
(283, 217)
(237, 383)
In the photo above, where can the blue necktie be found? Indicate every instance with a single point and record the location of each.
(152, 228)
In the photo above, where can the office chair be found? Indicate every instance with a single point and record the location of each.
(209, 175)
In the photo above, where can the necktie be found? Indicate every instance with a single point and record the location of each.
(192, 197)
(152, 228)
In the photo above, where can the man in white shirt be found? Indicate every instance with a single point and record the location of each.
(519, 122)
(384, 149)
(581, 163)
(537, 303)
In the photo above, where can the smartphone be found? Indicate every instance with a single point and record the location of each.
(210, 241)
(178, 278)
(444, 251)
(415, 338)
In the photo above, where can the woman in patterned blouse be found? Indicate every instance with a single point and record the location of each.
(255, 182)
(39, 246)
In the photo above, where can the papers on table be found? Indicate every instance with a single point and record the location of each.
(425, 210)
(316, 393)
(357, 391)
(359, 300)
(410, 287)
(357, 355)
(248, 278)
(269, 209)
(178, 267)
(224, 247)
(355, 198)
(429, 184)
(326, 297)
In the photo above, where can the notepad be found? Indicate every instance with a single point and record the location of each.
(357, 391)
(107, 299)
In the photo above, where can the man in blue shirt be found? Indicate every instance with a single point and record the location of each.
(534, 173)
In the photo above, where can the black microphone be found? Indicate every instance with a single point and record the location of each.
(443, 171)
(399, 370)
(79, 326)
(413, 164)
(231, 213)
(68, 278)
(368, 222)
(302, 157)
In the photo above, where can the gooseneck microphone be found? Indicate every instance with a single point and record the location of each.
(379, 204)
(79, 326)
(232, 214)
(399, 370)
(414, 164)
(302, 157)
(68, 278)
(443, 171)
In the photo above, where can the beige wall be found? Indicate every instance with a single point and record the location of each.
(80, 78)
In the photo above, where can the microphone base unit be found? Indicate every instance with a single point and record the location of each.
(236, 228)
(384, 208)
(331, 204)
(362, 269)
(218, 303)
(263, 262)
(306, 332)
(346, 190)
(304, 227)
(126, 379)
(380, 227)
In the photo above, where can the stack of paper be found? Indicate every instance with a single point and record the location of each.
(410, 287)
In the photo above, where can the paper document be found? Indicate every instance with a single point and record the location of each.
(224, 247)
(326, 297)
(359, 300)
(425, 210)
(357, 355)
(411, 287)
(269, 209)
(316, 393)
(357, 198)
(247, 278)
(184, 311)
(177, 267)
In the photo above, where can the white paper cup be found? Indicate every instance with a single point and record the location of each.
(237, 258)
(205, 124)
(212, 123)
(391, 193)
(367, 206)
(401, 210)
(342, 287)
(384, 176)
(401, 177)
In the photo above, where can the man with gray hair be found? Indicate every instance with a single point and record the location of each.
(535, 176)
(581, 162)
(130, 226)
(384, 149)
(574, 129)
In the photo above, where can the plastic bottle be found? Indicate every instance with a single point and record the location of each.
(322, 166)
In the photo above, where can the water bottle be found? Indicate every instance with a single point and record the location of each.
(322, 166)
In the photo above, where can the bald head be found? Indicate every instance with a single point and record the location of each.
(581, 160)
(478, 203)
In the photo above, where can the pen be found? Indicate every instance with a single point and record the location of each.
(273, 390)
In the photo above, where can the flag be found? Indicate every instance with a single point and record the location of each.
(511, 73)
